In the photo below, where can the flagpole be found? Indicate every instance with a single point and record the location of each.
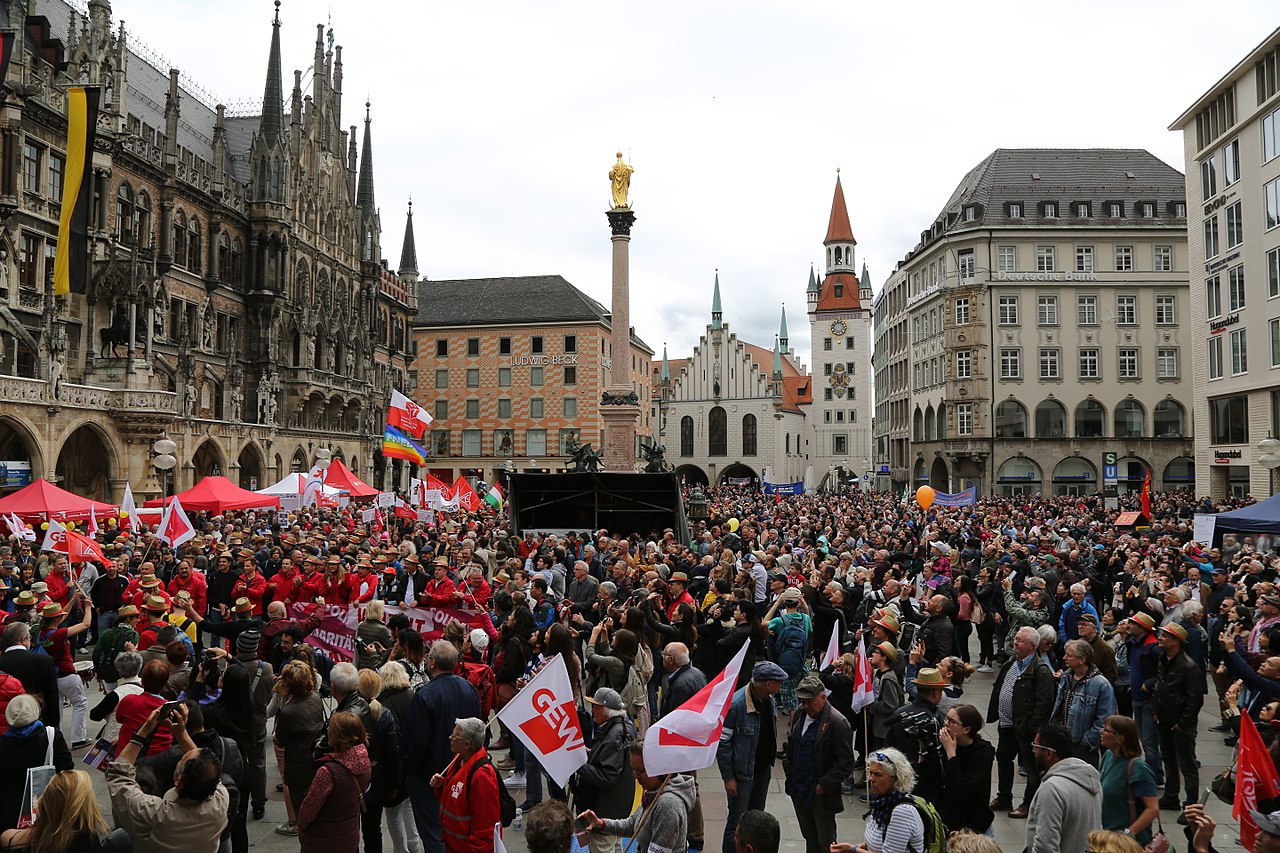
(866, 752)
(644, 818)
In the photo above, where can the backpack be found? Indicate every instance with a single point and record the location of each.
(634, 692)
(507, 803)
(935, 832)
(790, 645)
(480, 677)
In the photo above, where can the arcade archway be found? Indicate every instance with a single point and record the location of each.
(207, 461)
(19, 455)
(738, 474)
(86, 463)
(692, 475)
(251, 465)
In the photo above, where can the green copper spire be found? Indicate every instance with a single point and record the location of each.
(717, 315)
(666, 366)
(813, 280)
(777, 361)
(865, 284)
(782, 330)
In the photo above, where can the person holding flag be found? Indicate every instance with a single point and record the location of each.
(747, 742)
(661, 821)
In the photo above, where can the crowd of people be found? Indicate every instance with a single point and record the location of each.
(1102, 646)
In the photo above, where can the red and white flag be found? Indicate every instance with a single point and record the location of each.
(93, 523)
(1256, 779)
(545, 718)
(833, 649)
(465, 494)
(18, 527)
(685, 740)
(132, 519)
(864, 685)
(175, 528)
(407, 416)
(55, 537)
(82, 549)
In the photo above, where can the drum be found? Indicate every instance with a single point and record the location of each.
(84, 669)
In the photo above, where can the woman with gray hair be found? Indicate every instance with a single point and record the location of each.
(893, 824)
(128, 665)
(373, 638)
(468, 791)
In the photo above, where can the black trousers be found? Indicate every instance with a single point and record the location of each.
(1178, 749)
(1011, 748)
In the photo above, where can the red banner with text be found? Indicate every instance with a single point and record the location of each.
(337, 632)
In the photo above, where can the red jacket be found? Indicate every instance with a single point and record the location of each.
(194, 584)
(59, 589)
(314, 585)
(438, 593)
(469, 811)
(252, 590)
(10, 687)
(361, 588)
(286, 585)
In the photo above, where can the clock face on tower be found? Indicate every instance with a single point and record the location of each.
(839, 327)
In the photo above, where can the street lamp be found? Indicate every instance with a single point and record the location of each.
(324, 456)
(165, 461)
(1269, 459)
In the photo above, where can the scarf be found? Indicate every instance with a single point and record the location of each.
(33, 726)
(882, 807)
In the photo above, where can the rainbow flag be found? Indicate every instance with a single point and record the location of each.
(397, 445)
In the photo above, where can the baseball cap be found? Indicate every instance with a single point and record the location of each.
(608, 697)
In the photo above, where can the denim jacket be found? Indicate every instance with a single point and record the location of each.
(1093, 702)
(736, 755)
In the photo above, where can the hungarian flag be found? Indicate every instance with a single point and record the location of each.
(82, 549)
(685, 740)
(1256, 779)
(175, 528)
(1146, 495)
(407, 416)
(132, 520)
(494, 496)
(71, 264)
(864, 689)
(465, 494)
(397, 445)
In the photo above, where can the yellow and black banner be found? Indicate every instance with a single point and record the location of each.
(71, 266)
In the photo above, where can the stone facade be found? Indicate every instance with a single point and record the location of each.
(237, 301)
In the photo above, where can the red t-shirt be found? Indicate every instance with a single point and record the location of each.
(132, 712)
(56, 645)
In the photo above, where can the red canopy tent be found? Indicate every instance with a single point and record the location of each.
(218, 494)
(339, 476)
(43, 500)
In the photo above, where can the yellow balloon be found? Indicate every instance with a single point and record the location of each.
(71, 525)
(124, 514)
(111, 522)
(733, 525)
(925, 496)
(44, 525)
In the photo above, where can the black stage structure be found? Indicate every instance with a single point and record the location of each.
(624, 503)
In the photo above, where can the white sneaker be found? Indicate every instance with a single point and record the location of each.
(515, 780)
(984, 668)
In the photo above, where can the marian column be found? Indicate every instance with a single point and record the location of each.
(619, 403)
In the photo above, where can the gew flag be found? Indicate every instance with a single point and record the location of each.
(71, 266)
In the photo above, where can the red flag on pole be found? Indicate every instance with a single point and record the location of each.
(864, 691)
(82, 549)
(1256, 779)
(686, 739)
(1146, 495)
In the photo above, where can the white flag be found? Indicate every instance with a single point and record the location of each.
(175, 528)
(415, 491)
(55, 537)
(313, 487)
(498, 846)
(833, 648)
(131, 509)
(545, 718)
(93, 523)
(20, 529)
(685, 740)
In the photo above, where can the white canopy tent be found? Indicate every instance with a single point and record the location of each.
(290, 491)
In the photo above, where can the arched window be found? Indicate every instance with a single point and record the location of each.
(788, 444)
(236, 276)
(142, 218)
(1168, 419)
(178, 239)
(194, 245)
(1011, 420)
(224, 257)
(1091, 419)
(748, 435)
(686, 436)
(126, 223)
(917, 426)
(717, 432)
(930, 424)
(1131, 419)
(1051, 420)
(942, 421)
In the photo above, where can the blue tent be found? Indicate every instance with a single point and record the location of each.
(1262, 517)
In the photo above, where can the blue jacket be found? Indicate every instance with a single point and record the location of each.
(424, 742)
(1069, 621)
(736, 754)
(1092, 703)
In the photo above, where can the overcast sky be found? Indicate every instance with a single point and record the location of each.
(501, 120)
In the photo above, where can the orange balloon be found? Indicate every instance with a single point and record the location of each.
(925, 496)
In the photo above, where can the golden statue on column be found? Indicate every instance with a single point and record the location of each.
(620, 176)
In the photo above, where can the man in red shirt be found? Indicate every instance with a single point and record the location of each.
(58, 581)
(314, 585)
(286, 584)
(193, 583)
(439, 590)
(361, 584)
(250, 584)
(678, 593)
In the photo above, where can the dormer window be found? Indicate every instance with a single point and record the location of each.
(838, 289)
(1115, 209)
(1015, 210)
(1147, 209)
(1082, 210)
(1050, 210)
(970, 213)
(1178, 209)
